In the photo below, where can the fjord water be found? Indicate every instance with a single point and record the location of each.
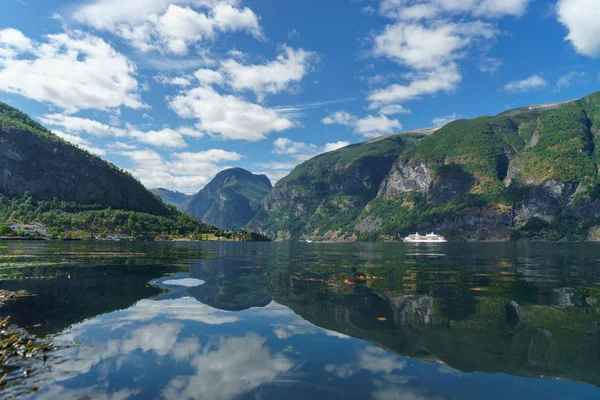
(321, 321)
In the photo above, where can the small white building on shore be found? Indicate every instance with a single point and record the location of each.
(33, 228)
(38, 228)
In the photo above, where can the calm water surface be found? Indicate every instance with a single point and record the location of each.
(319, 321)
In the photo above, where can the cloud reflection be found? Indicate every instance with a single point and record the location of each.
(153, 338)
(232, 367)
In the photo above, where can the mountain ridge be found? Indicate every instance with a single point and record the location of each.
(527, 173)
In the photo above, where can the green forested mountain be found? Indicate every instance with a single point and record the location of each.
(37, 162)
(231, 199)
(45, 178)
(328, 192)
(525, 173)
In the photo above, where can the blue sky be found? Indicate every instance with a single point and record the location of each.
(177, 90)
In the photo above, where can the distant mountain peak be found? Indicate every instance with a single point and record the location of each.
(231, 199)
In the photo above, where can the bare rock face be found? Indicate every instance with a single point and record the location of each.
(474, 227)
(451, 181)
(413, 310)
(548, 200)
(406, 177)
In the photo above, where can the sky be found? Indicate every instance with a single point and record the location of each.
(175, 91)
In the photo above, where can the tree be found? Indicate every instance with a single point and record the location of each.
(5, 230)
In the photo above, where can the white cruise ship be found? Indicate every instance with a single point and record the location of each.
(429, 238)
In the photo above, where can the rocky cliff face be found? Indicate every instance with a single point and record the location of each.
(324, 194)
(548, 200)
(34, 161)
(231, 199)
(405, 177)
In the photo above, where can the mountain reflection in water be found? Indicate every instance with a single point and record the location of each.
(310, 320)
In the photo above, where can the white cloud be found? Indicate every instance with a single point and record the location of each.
(500, 8)
(168, 26)
(568, 79)
(372, 126)
(12, 42)
(490, 65)
(430, 37)
(182, 81)
(228, 116)
(407, 9)
(431, 52)
(419, 46)
(393, 109)
(121, 146)
(287, 146)
(445, 119)
(163, 138)
(301, 151)
(77, 124)
(208, 77)
(166, 137)
(186, 172)
(534, 82)
(442, 79)
(335, 146)
(291, 66)
(339, 118)
(202, 58)
(369, 126)
(581, 17)
(72, 71)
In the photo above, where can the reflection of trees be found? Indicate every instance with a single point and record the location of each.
(469, 329)
(78, 293)
(492, 310)
(72, 281)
